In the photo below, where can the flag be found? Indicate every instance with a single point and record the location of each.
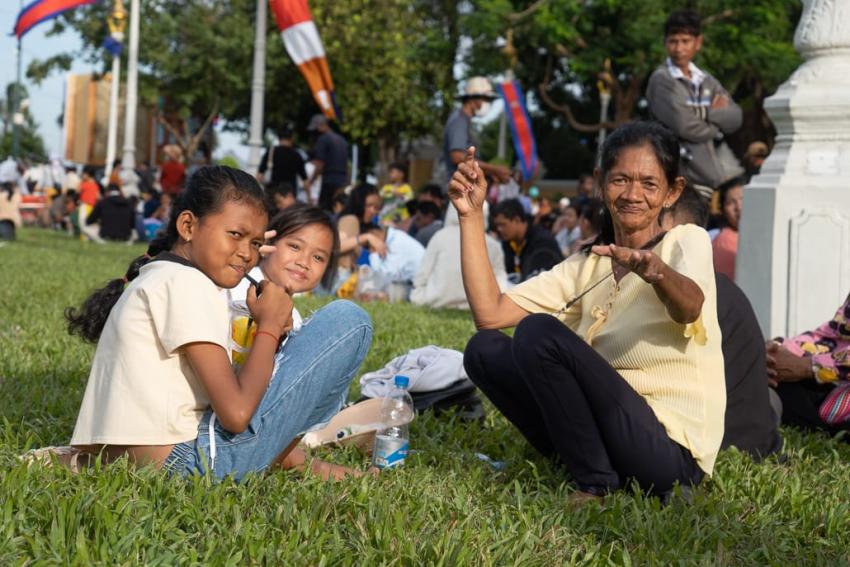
(302, 42)
(113, 46)
(42, 10)
(523, 137)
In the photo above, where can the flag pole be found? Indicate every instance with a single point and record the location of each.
(128, 161)
(258, 86)
(16, 104)
(117, 21)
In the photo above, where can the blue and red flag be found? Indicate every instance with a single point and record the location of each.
(42, 10)
(523, 136)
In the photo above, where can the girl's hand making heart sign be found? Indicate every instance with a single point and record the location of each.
(267, 248)
(642, 262)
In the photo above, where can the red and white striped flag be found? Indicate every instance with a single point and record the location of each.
(302, 42)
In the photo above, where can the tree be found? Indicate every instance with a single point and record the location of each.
(563, 47)
(31, 143)
(391, 67)
(388, 85)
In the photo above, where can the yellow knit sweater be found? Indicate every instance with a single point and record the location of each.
(678, 369)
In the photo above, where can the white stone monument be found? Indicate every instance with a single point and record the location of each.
(794, 251)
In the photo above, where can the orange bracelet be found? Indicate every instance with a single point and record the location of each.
(276, 339)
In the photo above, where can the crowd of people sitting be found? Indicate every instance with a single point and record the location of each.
(85, 201)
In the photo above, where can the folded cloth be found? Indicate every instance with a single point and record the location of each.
(428, 368)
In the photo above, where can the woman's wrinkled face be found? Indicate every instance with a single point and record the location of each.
(300, 258)
(636, 189)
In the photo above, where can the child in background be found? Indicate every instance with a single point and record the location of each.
(397, 190)
(725, 244)
(395, 194)
(162, 390)
(282, 196)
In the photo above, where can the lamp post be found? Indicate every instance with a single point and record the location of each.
(258, 86)
(117, 22)
(128, 161)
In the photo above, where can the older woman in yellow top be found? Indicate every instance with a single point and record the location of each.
(615, 366)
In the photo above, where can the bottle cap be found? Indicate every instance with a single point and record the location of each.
(402, 381)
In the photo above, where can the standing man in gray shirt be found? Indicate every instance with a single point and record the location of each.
(330, 159)
(458, 135)
(695, 106)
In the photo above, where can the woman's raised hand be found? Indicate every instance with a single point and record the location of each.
(468, 186)
(272, 309)
(642, 262)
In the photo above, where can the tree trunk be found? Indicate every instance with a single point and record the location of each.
(387, 154)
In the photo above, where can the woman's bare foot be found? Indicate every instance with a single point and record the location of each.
(297, 459)
(580, 498)
(330, 471)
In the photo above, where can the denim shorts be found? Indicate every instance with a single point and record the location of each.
(308, 387)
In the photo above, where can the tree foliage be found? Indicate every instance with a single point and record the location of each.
(31, 143)
(562, 47)
(388, 62)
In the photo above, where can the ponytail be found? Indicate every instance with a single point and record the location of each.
(88, 320)
(205, 193)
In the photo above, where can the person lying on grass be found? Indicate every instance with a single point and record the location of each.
(615, 367)
(162, 390)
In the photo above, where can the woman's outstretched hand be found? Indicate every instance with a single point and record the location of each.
(468, 186)
(642, 262)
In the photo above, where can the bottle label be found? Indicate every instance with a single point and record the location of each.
(390, 452)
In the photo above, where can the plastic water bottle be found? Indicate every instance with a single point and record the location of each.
(392, 440)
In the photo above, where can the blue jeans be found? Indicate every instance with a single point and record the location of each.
(309, 386)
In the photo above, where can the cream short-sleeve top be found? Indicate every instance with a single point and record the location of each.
(678, 369)
(142, 389)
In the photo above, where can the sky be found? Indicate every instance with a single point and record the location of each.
(46, 99)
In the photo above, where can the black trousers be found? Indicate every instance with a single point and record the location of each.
(327, 191)
(571, 404)
(801, 406)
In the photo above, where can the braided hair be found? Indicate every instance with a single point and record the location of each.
(206, 193)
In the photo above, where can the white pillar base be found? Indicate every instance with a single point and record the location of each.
(794, 252)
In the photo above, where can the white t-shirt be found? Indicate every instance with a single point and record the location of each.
(142, 389)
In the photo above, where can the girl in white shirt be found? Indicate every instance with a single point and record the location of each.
(162, 389)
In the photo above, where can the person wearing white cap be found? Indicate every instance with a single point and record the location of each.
(475, 101)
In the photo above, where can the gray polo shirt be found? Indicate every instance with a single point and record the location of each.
(458, 135)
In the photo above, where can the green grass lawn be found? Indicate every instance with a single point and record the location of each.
(443, 508)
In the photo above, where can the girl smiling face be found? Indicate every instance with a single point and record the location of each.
(300, 259)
